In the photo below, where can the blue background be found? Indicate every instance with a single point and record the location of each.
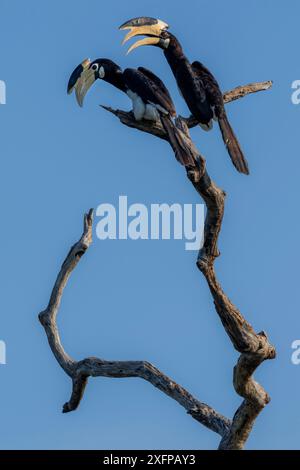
(143, 299)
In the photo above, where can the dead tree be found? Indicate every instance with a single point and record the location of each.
(254, 348)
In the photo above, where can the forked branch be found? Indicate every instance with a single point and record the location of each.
(157, 129)
(80, 371)
(253, 347)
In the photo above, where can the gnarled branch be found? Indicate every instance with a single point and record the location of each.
(157, 129)
(236, 94)
(80, 371)
(253, 347)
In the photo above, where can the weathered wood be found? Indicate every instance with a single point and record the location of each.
(236, 94)
(79, 371)
(253, 348)
(157, 129)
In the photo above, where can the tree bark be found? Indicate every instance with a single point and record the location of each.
(254, 348)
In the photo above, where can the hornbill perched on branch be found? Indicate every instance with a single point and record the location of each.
(197, 85)
(150, 97)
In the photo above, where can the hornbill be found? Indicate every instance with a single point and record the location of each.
(150, 97)
(196, 83)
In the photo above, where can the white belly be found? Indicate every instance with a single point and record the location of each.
(151, 113)
(141, 110)
(138, 106)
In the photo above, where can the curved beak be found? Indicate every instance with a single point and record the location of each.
(151, 41)
(143, 26)
(81, 80)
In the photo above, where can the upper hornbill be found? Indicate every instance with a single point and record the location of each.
(150, 98)
(197, 85)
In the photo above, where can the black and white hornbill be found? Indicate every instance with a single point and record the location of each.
(150, 97)
(197, 85)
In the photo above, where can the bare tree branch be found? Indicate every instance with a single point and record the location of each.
(236, 94)
(253, 347)
(80, 371)
(157, 129)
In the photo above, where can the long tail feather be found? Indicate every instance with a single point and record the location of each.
(233, 145)
(182, 150)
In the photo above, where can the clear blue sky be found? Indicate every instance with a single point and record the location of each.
(143, 299)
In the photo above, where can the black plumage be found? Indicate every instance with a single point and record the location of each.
(150, 98)
(215, 100)
(204, 98)
(150, 88)
(196, 83)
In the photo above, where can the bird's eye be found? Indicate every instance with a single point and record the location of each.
(95, 67)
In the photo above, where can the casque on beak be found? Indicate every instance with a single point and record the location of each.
(81, 80)
(143, 26)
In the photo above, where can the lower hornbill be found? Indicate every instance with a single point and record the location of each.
(150, 97)
(196, 83)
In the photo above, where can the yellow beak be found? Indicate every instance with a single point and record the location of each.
(143, 26)
(143, 42)
(81, 80)
(83, 85)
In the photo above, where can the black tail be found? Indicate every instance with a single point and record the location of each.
(178, 141)
(233, 145)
